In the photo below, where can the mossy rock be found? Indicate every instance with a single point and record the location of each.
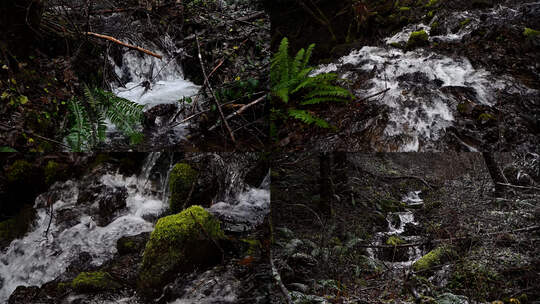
(94, 281)
(181, 180)
(530, 33)
(20, 171)
(179, 244)
(54, 171)
(432, 3)
(395, 240)
(486, 117)
(434, 258)
(419, 38)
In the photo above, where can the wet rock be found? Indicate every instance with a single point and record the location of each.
(284, 232)
(298, 287)
(417, 39)
(94, 281)
(178, 244)
(132, 244)
(293, 246)
(162, 112)
(300, 298)
(448, 298)
(302, 260)
(434, 258)
(81, 264)
(182, 179)
(412, 229)
(46, 294)
(104, 200)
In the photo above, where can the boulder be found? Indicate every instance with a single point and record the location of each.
(181, 180)
(179, 244)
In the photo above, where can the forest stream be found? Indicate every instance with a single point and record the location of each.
(103, 219)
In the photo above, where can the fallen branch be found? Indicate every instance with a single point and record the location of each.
(277, 278)
(519, 187)
(133, 47)
(212, 91)
(240, 111)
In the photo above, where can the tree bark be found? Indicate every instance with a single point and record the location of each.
(495, 172)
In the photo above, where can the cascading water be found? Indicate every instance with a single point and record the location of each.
(397, 225)
(46, 252)
(151, 81)
(92, 213)
(417, 84)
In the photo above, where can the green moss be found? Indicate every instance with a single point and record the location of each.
(433, 258)
(462, 108)
(253, 245)
(418, 38)
(485, 117)
(404, 9)
(180, 183)
(179, 244)
(432, 3)
(430, 14)
(52, 172)
(465, 22)
(94, 281)
(396, 45)
(19, 171)
(394, 241)
(530, 33)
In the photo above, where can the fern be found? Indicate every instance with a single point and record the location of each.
(89, 120)
(293, 84)
(307, 118)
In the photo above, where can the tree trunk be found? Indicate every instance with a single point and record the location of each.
(495, 172)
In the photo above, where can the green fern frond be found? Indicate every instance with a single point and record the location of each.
(307, 56)
(318, 100)
(307, 118)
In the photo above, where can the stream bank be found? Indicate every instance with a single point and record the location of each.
(405, 228)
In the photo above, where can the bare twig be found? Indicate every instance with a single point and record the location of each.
(212, 91)
(519, 187)
(277, 278)
(240, 111)
(133, 47)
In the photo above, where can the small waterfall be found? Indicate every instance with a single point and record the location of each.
(397, 223)
(246, 209)
(149, 80)
(46, 251)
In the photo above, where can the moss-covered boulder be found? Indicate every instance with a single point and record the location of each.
(181, 180)
(434, 258)
(416, 39)
(94, 281)
(179, 244)
(20, 171)
(394, 240)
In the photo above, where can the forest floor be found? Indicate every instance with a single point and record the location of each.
(473, 247)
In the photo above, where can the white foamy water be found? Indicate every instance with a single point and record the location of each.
(246, 210)
(40, 257)
(167, 83)
(420, 110)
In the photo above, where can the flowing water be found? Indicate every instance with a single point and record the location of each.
(417, 84)
(398, 222)
(45, 253)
